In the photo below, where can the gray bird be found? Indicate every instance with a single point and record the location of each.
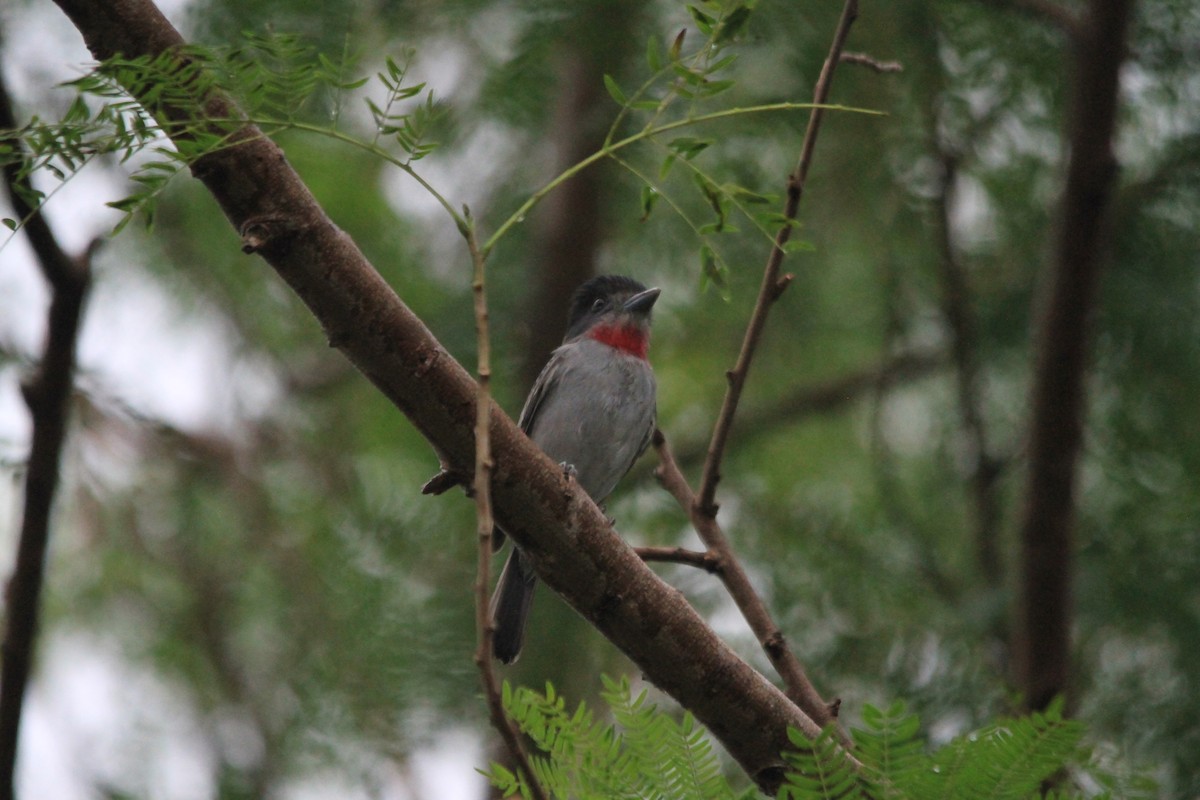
(592, 409)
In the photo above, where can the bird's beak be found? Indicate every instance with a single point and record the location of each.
(642, 302)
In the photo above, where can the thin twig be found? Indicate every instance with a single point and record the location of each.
(47, 394)
(485, 523)
(799, 689)
(679, 555)
(772, 284)
(864, 60)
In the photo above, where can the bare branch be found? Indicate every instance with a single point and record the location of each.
(485, 524)
(799, 689)
(773, 284)
(862, 59)
(47, 394)
(679, 555)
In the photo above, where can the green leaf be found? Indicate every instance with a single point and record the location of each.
(653, 56)
(703, 21)
(665, 168)
(688, 147)
(649, 199)
(713, 273)
(744, 195)
(732, 25)
(614, 90)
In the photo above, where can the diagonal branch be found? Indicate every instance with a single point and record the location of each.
(772, 284)
(799, 689)
(702, 508)
(567, 539)
(47, 394)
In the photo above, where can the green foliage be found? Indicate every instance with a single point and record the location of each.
(647, 753)
(340, 616)
(274, 79)
(644, 753)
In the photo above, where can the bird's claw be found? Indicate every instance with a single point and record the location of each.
(568, 470)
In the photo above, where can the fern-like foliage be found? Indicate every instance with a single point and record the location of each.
(643, 753)
(823, 769)
(640, 751)
(1011, 758)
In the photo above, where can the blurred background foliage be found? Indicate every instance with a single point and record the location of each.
(273, 559)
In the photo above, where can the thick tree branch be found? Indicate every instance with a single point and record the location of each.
(1058, 402)
(47, 394)
(772, 284)
(566, 537)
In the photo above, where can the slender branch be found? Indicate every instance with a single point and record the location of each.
(1058, 394)
(486, 523)
(799, 689)
(519, 215)
(47, 394)
(702, 508)
(772, 284)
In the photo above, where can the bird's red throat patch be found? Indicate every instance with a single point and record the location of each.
(626, 338)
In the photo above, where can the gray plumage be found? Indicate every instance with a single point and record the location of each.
(593, 408)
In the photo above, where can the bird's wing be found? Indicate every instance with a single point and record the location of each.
(543, 387)
(647, 437)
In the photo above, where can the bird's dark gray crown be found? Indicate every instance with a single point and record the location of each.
(609, 288)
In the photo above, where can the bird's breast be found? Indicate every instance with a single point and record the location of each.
(598, 415)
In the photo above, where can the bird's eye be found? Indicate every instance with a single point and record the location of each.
(599, 304)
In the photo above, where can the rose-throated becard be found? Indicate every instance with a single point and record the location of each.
(592, 410)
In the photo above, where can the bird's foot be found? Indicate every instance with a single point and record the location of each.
(568, 470)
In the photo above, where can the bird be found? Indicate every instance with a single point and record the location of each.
(593, 410)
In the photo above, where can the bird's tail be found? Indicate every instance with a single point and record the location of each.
(510, 607)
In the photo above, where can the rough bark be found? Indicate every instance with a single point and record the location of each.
(567, 538)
